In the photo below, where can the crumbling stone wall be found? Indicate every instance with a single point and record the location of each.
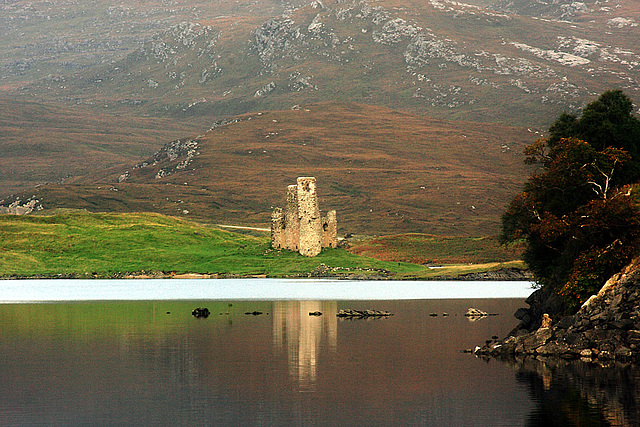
(291, 220)
(309, 217)
(330, 230)
(300, 226)
(277, 229)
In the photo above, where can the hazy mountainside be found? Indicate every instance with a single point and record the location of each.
(60, 37)
(41, 143)
(482, 3)
(438, 57)
(384, 171)
(558, 9)
(570, 10)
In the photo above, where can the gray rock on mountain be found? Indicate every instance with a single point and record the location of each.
(19, 207)
(557, 9)
(179, 153)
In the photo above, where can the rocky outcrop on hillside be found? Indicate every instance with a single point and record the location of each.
(21, 207)
(533, 70)
(346, 49)
(172, 157)
(175, 49)
(607, 327)
(275, 38)
(557, 9)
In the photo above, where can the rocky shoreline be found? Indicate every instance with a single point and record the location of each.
(321, 271)
(605, 329)
(500, 274)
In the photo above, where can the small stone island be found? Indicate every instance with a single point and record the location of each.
(300, 226)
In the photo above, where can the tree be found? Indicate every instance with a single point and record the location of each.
(578, 215)
(606, 122)
(609, 122)
(566, 126)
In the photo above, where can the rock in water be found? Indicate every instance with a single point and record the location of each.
(605, 328)
(361, 314)
(200, 312)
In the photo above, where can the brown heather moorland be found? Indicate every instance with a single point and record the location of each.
(46, 143)
(384, 171)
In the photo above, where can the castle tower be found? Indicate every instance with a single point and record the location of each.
(309, 215)
(277, 229)
(300, 227)
(291, 220)
(330, 230)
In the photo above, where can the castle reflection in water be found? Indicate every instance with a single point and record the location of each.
(302, 336)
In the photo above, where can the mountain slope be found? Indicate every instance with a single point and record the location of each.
(384, 171)
(440, 58)
(60, 37)
(570, 10)
(42, 142)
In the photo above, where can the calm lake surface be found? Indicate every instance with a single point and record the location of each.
(102, 358)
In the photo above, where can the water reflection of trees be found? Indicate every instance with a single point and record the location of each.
(576, 393)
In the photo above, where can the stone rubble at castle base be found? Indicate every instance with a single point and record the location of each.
(300, 226)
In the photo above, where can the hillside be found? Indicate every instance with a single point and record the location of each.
(83, 245)
(46, 143)
(415, 159)
(441, 58)
(384, 171)
(45, 40)
(430, 249)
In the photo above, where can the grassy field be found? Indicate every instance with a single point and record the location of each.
(429, 249)
(82, 244)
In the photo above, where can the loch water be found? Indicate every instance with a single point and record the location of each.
(145, 361)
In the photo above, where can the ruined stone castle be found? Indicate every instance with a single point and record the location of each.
(300, 226)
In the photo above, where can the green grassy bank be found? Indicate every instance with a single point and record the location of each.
(420, 248)
(82, 244)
